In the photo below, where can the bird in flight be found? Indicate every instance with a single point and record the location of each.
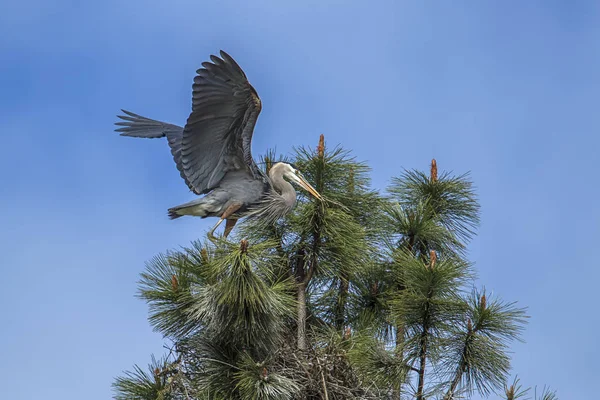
(213, 150)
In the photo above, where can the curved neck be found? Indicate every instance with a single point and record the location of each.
(283, 187)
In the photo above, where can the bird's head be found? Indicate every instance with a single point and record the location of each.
(293, 175)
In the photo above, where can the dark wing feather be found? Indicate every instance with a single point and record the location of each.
(135, 125)
(218, 134)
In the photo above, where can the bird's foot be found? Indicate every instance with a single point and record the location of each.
(212, 237)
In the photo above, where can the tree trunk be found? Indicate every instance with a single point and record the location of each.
(400, 287)
(459, 371)
(423, 361)
(423, 353)
(450, 393)
(302, 279)
(399, 339)
(301, 316)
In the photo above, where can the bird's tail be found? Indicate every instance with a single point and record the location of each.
(184, 209)
(203, 207)
(172, 212)
(137, 126)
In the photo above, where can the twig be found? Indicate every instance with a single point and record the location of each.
(187, 395)
(302, 366)
(323, 379)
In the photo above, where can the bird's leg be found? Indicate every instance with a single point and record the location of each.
(229, 224)
(225, 216)
(211, 235)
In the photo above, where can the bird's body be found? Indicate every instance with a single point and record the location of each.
(236, 187)
(212, 152)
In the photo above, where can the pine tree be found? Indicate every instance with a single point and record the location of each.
(361, 296)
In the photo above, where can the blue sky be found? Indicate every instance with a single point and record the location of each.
(507, 90)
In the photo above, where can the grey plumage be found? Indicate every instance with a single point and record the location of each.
(213, 151)
(137, 126)
(236, 186)
(275, 204)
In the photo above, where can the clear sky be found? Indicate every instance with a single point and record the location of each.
(508, 90)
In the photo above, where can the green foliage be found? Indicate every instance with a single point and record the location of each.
(546, 394)
(476, 353)
(451, 198)
(244, 297)
(515, 390)
(430, 302)
(376, 366)
(417, 229)
(169, 302)
(360, 296)
(255, 382)
(145, 385)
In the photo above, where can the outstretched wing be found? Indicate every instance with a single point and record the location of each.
(218, 134)
(135, 125)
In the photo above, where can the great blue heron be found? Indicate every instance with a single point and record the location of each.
(213, 151)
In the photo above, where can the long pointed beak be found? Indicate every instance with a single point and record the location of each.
(302, 182)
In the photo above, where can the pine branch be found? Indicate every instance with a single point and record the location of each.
(452, 198)
(478, 351)
(141, 385)
(371, 288)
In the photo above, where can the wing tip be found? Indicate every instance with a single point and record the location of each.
(224, 64)
(224, 54)
(232, 63)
